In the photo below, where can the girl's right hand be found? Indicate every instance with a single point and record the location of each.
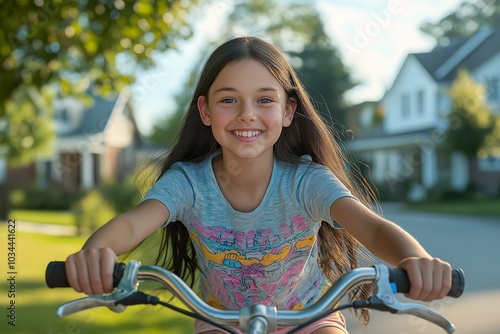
(91, 270)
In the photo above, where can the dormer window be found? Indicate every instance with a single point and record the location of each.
(63, 115)
(405, 105)
(420, 102)
(493, 89)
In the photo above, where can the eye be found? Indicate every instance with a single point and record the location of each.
(228, 100)
(265, 100)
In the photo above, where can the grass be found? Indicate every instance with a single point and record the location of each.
(36, 304)
(42, 216)
(487, 207)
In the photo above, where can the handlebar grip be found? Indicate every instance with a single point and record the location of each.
(55, 274)
(400, 278)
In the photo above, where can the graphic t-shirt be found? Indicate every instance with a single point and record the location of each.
(267, 256)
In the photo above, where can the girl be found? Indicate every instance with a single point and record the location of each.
(256, 195)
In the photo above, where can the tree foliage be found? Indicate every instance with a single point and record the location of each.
(72, 44)
(165, 131)
(465, 21)
(471, 120)
(298, 30)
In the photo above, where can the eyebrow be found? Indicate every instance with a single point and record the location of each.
(231, 89)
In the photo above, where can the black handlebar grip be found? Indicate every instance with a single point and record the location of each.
(55, 274)
(400, 278)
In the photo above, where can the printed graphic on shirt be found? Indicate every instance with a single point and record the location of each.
(256, 266)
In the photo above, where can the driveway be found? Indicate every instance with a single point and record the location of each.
(472, 243)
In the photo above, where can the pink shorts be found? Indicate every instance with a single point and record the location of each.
(334, 320)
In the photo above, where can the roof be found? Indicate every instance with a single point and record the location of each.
(443, 62)
(96, 117)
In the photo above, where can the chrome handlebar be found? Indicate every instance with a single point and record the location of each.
(260, 318)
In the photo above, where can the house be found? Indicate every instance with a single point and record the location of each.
(406, 152)
(94, 143)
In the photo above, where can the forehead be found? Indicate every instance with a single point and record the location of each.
(245, 74)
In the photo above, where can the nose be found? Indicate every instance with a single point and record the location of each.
(246, 112)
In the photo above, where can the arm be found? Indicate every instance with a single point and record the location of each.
(90, 270)
(430, 277)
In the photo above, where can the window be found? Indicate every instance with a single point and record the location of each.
(420, 102)
(489, 164)
(405, 105)
(493, 89)
(443, 104)
(62, 115)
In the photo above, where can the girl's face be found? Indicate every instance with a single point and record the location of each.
(247, 109)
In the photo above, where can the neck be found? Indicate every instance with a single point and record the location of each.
(248, 173)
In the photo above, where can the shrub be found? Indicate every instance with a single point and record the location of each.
(92, 211)
(35, 198)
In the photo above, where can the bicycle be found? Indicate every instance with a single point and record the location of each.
(255, 319)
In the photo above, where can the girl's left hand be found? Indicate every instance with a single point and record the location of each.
(430, 278)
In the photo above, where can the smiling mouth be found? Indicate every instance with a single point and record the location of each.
(246, 134)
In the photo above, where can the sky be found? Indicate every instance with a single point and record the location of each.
(373, 36)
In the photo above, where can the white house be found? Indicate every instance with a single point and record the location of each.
(405, 152)
(93, 143)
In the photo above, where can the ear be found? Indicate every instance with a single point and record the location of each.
(290, 107)
(203, 109)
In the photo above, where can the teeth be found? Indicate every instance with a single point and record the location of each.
(247, 133)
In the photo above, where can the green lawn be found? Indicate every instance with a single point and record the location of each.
(36, 304)
(41, 216)
(488, 207)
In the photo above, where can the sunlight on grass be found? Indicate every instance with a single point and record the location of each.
(36, 304)
(42, 216)
(490, 207)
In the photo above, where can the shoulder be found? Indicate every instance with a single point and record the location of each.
(305, 167)
(189, 169)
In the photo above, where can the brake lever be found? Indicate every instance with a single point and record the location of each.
(385, 300)
(127, 286)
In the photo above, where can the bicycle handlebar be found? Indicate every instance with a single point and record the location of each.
(55, 277)
(246, 317)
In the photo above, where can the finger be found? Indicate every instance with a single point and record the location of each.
(94, 272)
(415, 278)
(447, 282)
(108, 260)
(428, 279)
(72, 274)
(435, 284)
(83, 272)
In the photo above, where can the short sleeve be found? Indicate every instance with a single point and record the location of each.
(318, 190)
(174, 190)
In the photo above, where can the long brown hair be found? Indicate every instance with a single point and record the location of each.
(307, 134)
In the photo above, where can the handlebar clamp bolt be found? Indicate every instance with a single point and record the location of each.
(387, 299)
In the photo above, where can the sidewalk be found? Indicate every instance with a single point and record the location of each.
(49, 229)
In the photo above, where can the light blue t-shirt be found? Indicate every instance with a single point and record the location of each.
(267, 256)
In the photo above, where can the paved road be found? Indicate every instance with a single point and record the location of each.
(472, 243)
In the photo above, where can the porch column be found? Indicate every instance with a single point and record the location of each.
(379, 166)
(429, 167)
(459, 171)
(87, 170)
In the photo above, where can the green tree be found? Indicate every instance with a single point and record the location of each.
(165, 131)
(465, 21)
(66, 46)
(72, 44)
(298, 30)
(471, 120)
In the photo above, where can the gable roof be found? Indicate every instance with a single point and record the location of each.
(96, 117)
(442, 63)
